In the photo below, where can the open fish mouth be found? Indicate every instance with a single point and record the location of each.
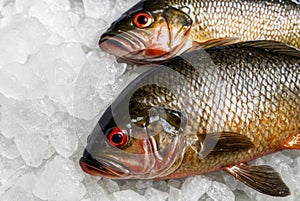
(102, 167)
(121, 45)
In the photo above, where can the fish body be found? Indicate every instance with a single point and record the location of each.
(156, 30)
(203, 111)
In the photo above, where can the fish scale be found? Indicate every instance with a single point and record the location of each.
(247, 20)
(177, 25)
(260, 97)
(264, 120)
(206, 110)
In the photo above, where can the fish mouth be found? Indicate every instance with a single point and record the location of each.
(102, 167)
(122, 45)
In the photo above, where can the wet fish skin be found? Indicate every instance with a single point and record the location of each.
(201, 112)
(179, 24)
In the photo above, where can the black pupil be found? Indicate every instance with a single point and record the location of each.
(142, 19)
(117, 138)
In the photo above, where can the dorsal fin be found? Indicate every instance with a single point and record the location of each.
(272, 46)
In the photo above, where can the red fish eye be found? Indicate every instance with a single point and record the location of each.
(142, 20)
(117, 138)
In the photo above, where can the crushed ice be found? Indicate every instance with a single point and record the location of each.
(54, 84)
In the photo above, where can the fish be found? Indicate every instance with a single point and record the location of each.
(153, 31)
(205, 110)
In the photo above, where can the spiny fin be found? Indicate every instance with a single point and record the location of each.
(293, 142)
(273, 46)
(262, 178)
(214, 43)
(224, 142)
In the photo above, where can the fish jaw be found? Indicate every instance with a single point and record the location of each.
(95, 168)
(156, 46)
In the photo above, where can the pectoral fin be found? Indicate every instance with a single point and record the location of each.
(293, 142)
(262, 178)
(214, 43)
(224, 142)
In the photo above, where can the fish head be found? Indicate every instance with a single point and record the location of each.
(150, 32)
(135, 141)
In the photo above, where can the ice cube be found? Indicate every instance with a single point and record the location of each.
(230, 181)
(219, 191)
(153, 194)
(41, 11)
(61, 24)
(87, 103)
(8, 168)
(59, 180)
(19, 37)
(143, 184)
(20, 82)
(194, 187)
(22, 6)
(109, 185)
(90, 30)
(176, 194)
(9, 128)
(33, 115)
(17, 194)
(161, 185)
(128, 195)
(34, 148)
(97, 9)
(63, 134)
(27, 182)
(3, 3)
(61, 5)
(8, 9)
(175, 183)
(95, 191)
(8, 148)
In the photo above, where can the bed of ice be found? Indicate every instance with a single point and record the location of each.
(54, 84)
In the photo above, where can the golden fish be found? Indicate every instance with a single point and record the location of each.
(153, 31)
(201, 112)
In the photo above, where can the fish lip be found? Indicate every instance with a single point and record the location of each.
(121, 44)
(102, 167)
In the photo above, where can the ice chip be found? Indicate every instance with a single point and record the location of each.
(27, 182)
(19, 37)
(161, 185)
(63, 135)
(97, 9)
(176, 194)
(16, 194)
(8, 8)
(109, 185)
(8, 168)
(194, 187)
(153, 194)
(22, 6)
(128, 195)
(34, 148)
(219, 191)
(20, 82)
(90, 30)
(143, 184)
(61, 5)
(8, 148)
(59, 180)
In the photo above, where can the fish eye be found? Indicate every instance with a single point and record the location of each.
(117, 137)
(142, 20)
